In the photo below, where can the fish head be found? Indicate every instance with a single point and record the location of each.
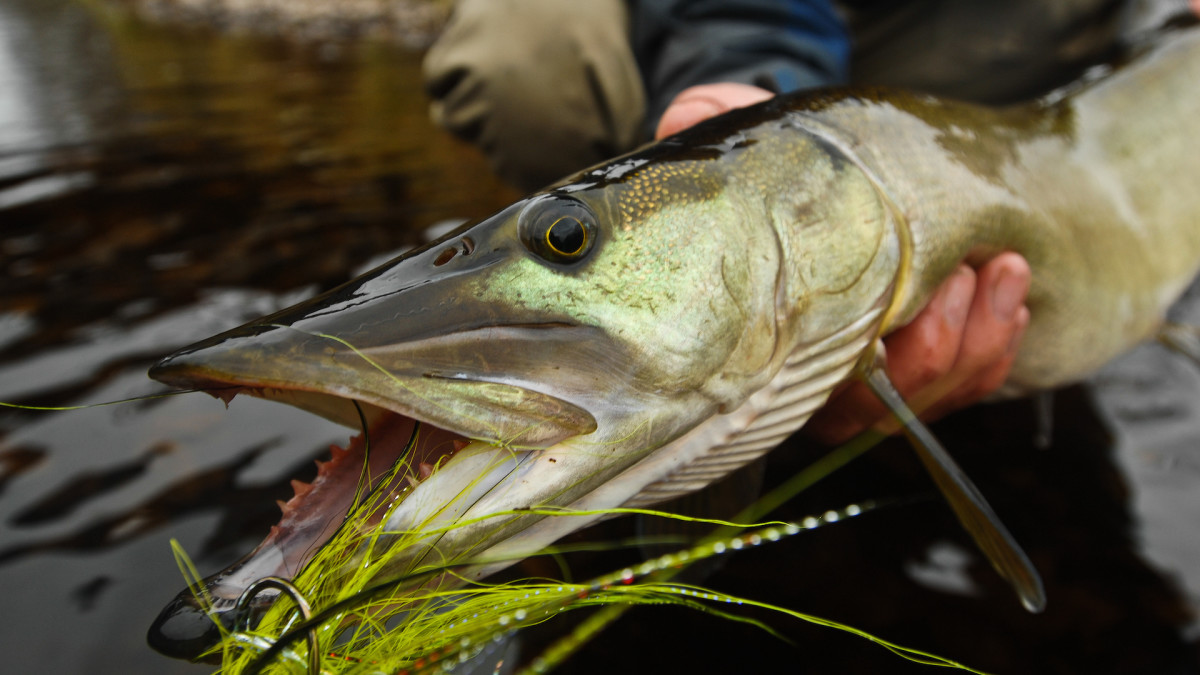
(543, 350)
(537, 357)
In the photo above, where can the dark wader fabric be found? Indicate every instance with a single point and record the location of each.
(548, 87)
(543, 87)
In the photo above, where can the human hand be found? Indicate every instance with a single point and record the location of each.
(956, 351)
(696, 104)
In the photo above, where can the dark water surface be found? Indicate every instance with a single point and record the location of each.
(158, 186)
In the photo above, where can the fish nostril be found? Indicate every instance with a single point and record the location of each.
(466, 247)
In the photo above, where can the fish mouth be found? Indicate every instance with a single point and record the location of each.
(374, 481)
(438, 435)
(470, 407)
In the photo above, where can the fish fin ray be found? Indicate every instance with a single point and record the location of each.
(802, 385)
(967, 502)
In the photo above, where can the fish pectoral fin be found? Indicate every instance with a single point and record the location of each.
(1182, 339)
(968, 503)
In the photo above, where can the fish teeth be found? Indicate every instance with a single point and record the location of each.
(301, 488)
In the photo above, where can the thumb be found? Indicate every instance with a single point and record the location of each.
(696, 104)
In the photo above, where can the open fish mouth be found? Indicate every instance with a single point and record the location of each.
(493, 373)
(459, 409)
(372, 484)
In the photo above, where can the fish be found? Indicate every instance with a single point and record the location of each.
(647, 326)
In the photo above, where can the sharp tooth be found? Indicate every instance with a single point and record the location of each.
(424, 470)
(282, 506)
(301, 488)
(412, 481)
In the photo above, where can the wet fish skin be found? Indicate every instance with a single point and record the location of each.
(734, 275)
(1085, 184)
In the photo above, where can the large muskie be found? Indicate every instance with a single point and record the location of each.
(646, 327)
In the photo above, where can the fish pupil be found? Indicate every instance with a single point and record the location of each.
(566, 236)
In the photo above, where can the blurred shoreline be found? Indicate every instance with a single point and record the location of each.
(411, 23)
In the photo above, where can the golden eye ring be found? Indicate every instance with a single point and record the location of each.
(567, 236)
(557, 229)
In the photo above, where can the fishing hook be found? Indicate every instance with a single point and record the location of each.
(241, 614)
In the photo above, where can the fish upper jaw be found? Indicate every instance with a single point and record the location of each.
(326, 376)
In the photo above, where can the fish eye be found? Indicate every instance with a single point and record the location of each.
(558, 229)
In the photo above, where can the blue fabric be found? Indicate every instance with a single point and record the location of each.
(780, 45)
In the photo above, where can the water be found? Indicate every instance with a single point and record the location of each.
(159, 185)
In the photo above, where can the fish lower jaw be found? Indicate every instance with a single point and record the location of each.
(358, 487)
(360, 484)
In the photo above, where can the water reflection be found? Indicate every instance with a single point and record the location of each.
(158, 186)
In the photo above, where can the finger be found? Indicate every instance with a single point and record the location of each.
(918, 354)
(927, 349)
(996, 321)
(696, 104)
(850, 410)
(993, 377)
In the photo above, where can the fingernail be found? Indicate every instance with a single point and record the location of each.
(1007, 295)
(1014, 342)
(957, 301)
